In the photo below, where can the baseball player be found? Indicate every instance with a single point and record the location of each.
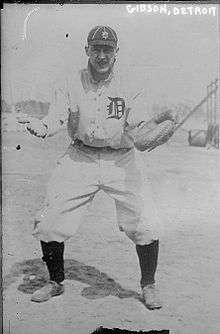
(102, 116)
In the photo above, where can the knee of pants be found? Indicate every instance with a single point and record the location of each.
(141, 235)
(46, 233)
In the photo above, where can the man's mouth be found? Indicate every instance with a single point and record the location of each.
(102, 65)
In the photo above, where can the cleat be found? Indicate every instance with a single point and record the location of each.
(50, 290)
(150, 296)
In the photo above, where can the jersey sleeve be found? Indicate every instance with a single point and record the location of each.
(138, 109)
(59, 109)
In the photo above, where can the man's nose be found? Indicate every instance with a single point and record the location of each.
(102, 54)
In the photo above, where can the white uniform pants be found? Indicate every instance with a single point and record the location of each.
(78, 177)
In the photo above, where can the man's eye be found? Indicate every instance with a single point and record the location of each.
(96, 50)
(108, 50)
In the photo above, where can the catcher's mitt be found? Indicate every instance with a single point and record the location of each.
(147, 139)
(167, 115)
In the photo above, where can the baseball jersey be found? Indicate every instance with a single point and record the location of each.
(98, 113)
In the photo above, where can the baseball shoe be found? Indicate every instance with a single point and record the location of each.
(150, 296)
(50, 290)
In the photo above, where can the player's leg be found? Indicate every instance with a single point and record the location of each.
(148, 258)
(53, 253)
(58, 227)
(146, 243)
(70, 190)
(125, 188)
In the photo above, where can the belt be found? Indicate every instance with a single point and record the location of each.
(79, 143)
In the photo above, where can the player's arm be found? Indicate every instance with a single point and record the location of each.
(137, 115)
(158, 118)
(148, 131)
(58, 112)
(55, 120)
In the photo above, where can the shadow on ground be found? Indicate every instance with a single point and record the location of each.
(35, 277)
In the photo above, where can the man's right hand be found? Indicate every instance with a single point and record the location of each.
(35, 126)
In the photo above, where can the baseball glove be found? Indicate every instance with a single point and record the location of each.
(167, 115)
(147, 139)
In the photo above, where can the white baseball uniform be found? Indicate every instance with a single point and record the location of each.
(101, 156)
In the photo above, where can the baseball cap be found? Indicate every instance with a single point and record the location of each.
(102, 35)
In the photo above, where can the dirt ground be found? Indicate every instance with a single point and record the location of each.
(102, 273)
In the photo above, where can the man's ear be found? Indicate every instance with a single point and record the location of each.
(116, 51)
(87, 50)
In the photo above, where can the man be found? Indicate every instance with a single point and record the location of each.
(100, 114)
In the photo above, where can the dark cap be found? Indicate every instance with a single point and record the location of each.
(102, 35)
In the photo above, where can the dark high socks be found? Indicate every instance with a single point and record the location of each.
(148, 256)
(53, 257)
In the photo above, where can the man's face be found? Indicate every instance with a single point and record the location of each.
(101, 57)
